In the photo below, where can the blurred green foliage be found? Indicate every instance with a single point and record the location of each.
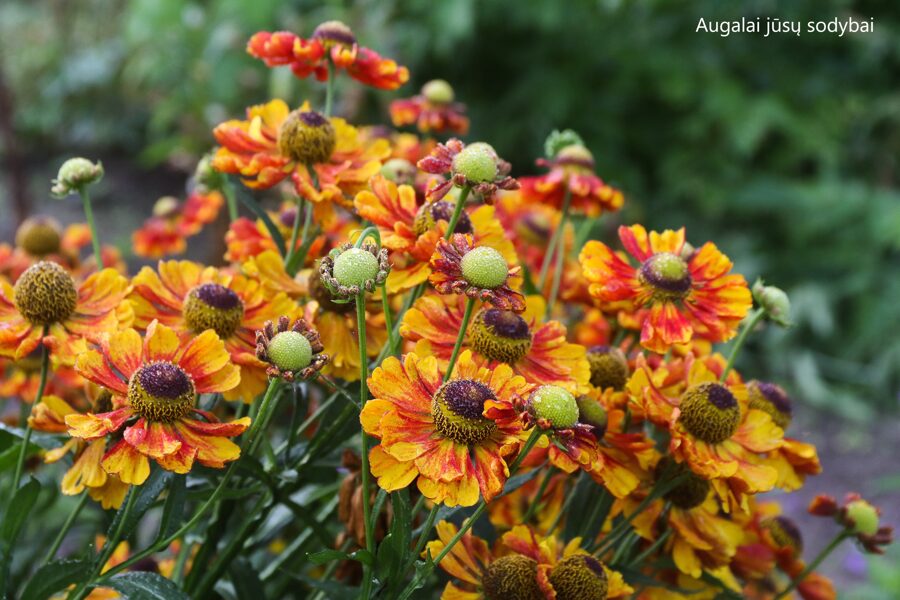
(783, 150)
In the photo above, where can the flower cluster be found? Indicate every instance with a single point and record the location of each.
(411, 311)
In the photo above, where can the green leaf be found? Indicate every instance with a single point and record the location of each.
(394, 551)
(143, 585)
(23, 501)
(147, 493)
(173, 509)
(247, 585)
(326, 556)
(363, 556)
(56, 576)
(519, 480)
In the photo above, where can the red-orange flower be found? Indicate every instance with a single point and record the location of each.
(687, 293)
(46, 297)
(439, 433)
(166, 232)
(154, 383)
(331, 41)
(459, 267)
(572, 171)
(431, 110)
(191, 299)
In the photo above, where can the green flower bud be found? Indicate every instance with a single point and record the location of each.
(290, 351)
(400, 171)
(864, 517)
(774, 301)
(355, 266)
(438, 91)
(484, 267)
(75, 174)
(558, 140)
(477, 163)
(555, 404)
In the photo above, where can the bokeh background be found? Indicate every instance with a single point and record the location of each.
(784, 151)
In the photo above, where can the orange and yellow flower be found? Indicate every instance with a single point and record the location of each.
(522, 565)
(687, 292)
(535, 350)
(447, 275)
(440, 433)
(191, 299)
(154, 384)
(253, 150)
(49, 415)
(47, 307)
(431, 110)
(333, 42)
(712, 427)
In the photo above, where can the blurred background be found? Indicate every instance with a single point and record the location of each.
(783, 150)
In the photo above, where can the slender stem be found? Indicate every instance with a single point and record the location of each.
(640, 558)
(840, 537)
(70, 520)
(479, 510)
(214, 497)
(560, 256)
(338, 389)
(264, 415)
(467, 315)
(554, 240)
(180, 561)
(662, 487)
(295, 230)
(89, 216)
(366, 475)
(109, 546)
(426, 530)
(329, 87)
(388, 321)
(26, 438)
(411, 298)
(457, 211)
(752, 321)
(532, 508)
(230, 201)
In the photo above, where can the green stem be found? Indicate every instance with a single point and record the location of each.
(180, 561)
(752, 321)
(557, 271)
(640, 558)
(109, 546)
(554, 241)
(264, 415)
(479, 510)
(387, 349)
(70, 520)
(214, 497)
(295, 231)
(467, 315)
(89, 216)
(426, 530)
(457, 211)
(661, 488)
(329, 87)
(532, 508)
(230, 201)
(26, 438)
(840, 537)
(364, 455)
(388, 321)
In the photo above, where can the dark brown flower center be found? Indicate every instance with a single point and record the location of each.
(307, 137)
(334, 32)
(161, 392)
(512, 576)
(772, 399)
(609, 368)
(500, 335)
(785, 533)
(579, 577)
(458, 408)
(213, 306)
(693, 489)
(45, 294)
(710, 412)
